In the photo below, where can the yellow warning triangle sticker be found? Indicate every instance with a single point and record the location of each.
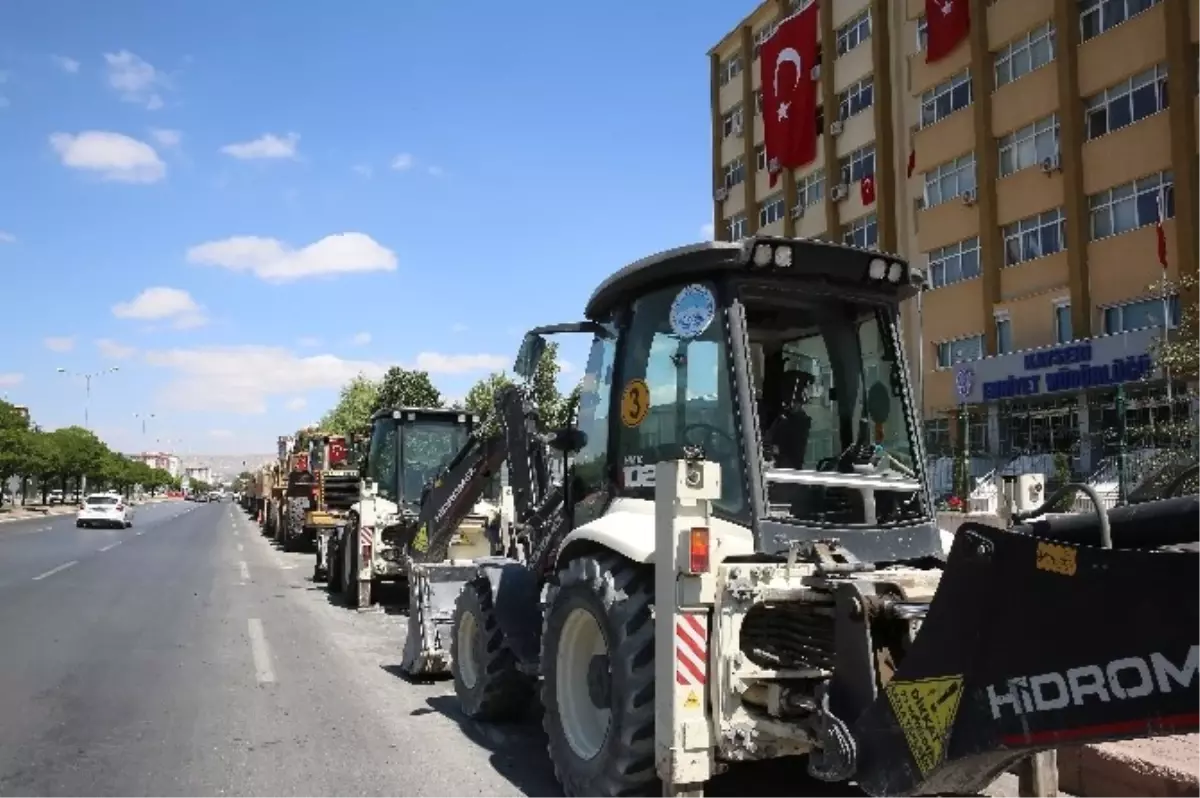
(692, 701)
(925, 710)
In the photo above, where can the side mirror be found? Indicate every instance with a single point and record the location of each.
(568, 440)
(529, 355)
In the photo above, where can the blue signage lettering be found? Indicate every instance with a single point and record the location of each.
(1073, 371)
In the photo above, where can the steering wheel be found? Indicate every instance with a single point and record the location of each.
(711, 435)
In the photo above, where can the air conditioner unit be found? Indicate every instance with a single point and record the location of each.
(721, 194)
(737, 128)
(838, 193)
(798, 212)
(968, 197)
(835, 127)
(1051, 164)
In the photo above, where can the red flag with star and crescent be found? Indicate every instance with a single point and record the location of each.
(947, 24)
(1160, 233)
(789, 92)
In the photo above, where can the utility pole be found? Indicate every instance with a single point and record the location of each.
(87, 381)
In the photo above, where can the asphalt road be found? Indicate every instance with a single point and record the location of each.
(188, 656)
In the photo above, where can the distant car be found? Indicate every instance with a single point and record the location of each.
(104, 509)
(55, 497)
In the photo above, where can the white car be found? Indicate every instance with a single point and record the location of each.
(104, 509)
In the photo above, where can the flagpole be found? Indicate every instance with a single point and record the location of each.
(1166, 308)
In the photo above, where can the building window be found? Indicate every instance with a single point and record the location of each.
(863, 232)
(1029, 146)
(858, 164)
(735, 172)
(1035, 237)
(964, 350)
(760, 157)
(758, 102)
(922, 33)
(1139, 315)
(1032, 51)
(946, 98)
(730, 68)
(1003, 335)
(949, 180)
(1132, 205)
(858, 97)
(761, 35)
(771, 210)
(954, 263)
(1129, 101)
(854, 32)
(937, 435)
(731, 122)
(735, 227)
(1096, 17)
(1062, 323)
(810, 189)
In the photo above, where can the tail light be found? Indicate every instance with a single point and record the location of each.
(120, 508)
(698, 550)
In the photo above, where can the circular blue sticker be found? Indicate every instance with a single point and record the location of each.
(692, 311)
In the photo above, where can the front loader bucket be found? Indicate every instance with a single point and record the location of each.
(1030, 644)
(432, 590)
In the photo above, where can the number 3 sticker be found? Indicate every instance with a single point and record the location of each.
(635, 403)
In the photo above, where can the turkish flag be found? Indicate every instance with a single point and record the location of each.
(866, 188)
(947, 23)
(1159, 232)
(337, 452)
(789, 90)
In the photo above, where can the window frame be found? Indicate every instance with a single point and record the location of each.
(1018, 230)
(734, 173)
(949, 343)
(736, 223)
(939, 261)
(1122, 93)
(947, 88)
(864, 86)
(858, 157)
(1104, 205)
(772, 209)
(812, 182)
(1174, 310)
(730, 120)
(868, 226)
(851, 34)
(1035, 132)
(1004, 59)
(955, 170)
(730, 68)
(1093, 9)
(1003, 321)
(1062, 313)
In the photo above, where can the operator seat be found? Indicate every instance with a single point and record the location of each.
(787, 437)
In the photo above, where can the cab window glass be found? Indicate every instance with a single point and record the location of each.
(381, 463)
(595, 401)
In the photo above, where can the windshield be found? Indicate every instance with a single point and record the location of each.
(428, 447)
(102, 500)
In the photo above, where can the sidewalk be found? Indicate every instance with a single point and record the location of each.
(19, 513)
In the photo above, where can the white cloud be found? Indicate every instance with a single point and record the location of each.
(267, 145)
(59, 343)
(402, 162)
(273, 261)
(135, 80)
(361, 339)
(296, 403)
(160, 303)
(68, 65)
(241, 379)
(309, 341)
(436, 363)
(565, 367)
(220, 433)
(706, 232)
(112, 155)
(10, 379)
(365, 170)
(7, 238)
(166, 137)
(113, 350)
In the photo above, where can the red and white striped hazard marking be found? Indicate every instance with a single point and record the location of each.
(691, 650)
(366, 536)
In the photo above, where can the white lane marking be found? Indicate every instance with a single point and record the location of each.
(141, 532)
(110, 546)
(245, 569)
(240, 547)
(260, 651)
(56, 569)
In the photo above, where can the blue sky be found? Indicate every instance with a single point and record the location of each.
(464, 170)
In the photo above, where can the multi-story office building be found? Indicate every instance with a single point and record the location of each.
(1025, 170)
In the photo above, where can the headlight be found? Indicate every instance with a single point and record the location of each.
(762, 255)
(783, 257)
(877, 269)
(895, 272)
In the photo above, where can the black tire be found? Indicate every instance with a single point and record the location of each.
(500, 692)
(619, 595)
(334, 582)
(349, 580)
(79, 524)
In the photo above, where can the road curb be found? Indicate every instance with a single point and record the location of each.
(6, 519)
(1101, 771)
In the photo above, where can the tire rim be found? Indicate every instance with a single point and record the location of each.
(468, 650)
(581, 664)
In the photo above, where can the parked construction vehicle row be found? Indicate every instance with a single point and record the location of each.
(742, 561)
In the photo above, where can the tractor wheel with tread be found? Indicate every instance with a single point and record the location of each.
(598, 686)
(334, 568)
(486, 678)
(349, 589)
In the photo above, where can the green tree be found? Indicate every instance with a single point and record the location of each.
(405, 388)
(352, 413)
(45, 461)
(15, 442)
(1179, 352)
(481, 401)
(83, 454)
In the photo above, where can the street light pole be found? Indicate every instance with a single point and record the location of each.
(87, 381)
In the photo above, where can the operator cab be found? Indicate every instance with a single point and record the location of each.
(779, 359)
(409, 449)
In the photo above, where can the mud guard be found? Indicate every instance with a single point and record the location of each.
(1030, 644)
(432, 591)
(516, 595)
